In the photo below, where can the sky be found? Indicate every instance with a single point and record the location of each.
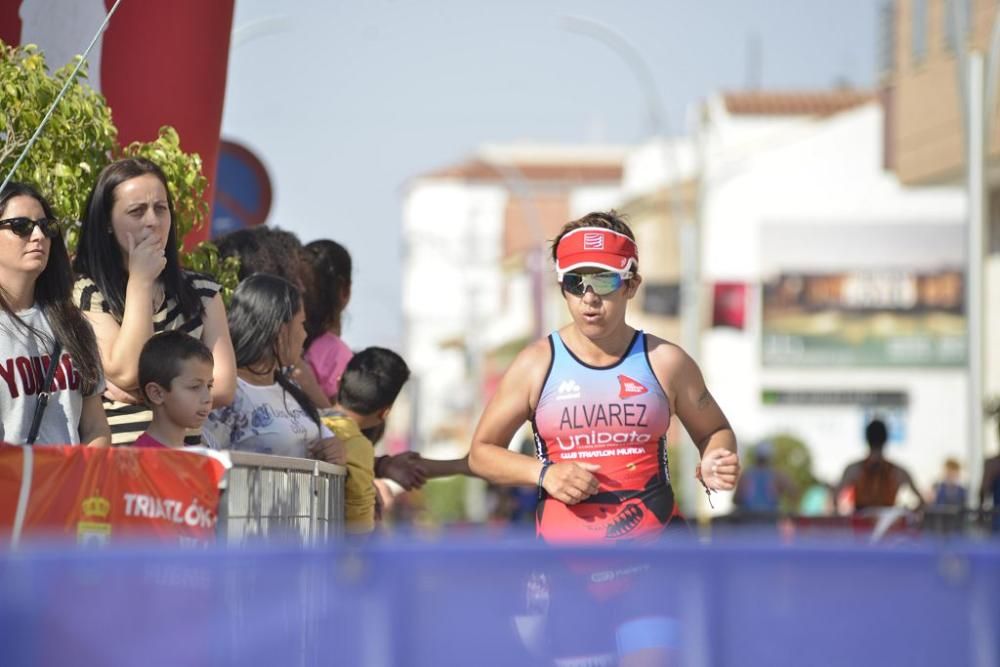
(347, 101)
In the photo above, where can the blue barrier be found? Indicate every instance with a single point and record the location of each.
(479, 601)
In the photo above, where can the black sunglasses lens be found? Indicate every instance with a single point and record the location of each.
(50, 228)
(573, 284)
(21, 226)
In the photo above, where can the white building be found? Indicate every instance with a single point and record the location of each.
(476, 236)
(807, 202)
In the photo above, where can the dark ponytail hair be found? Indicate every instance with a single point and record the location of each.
(331, 266)
(53, 296)
(261, 305)
(98, 256)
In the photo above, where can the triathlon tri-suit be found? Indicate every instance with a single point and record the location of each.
(616, 416)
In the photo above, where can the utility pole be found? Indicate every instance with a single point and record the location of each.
(977, 83)
(689, 233)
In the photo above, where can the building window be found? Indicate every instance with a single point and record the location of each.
(919, 38)
(965, 8)
(662, 299)
(887, 57)
(950, 37)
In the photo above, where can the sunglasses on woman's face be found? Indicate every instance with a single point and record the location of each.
(603, 284)
(23, 227)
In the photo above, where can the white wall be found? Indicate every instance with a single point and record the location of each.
(820, 190)
(453, 233)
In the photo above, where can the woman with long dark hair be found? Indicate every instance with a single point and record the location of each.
(270, 413)
(36, 311)
(131, 285)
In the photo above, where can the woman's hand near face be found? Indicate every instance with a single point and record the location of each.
(146, 257)
(115, 393)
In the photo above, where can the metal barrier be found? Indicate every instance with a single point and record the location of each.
(876, 522)
(269, 497)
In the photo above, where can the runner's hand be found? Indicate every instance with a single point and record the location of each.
(331, 450)
(571, 482)
(719, 470)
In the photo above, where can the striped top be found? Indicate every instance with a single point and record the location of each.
(129, 421)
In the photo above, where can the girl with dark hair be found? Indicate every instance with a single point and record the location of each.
(270, 413)
(278, 252)
(326, 353)
(36, 311)
(131, 285)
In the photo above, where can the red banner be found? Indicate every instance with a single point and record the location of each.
(95, 494)
(159, 63)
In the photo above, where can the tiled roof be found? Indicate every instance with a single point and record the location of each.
(794, 103)
(479, 170)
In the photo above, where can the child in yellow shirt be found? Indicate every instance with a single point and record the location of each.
(369, 386)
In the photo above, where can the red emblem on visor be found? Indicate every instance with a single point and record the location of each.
(593, 241)
(627, 387)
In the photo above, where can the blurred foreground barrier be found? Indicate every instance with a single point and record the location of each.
(750, 601)
(278, 496)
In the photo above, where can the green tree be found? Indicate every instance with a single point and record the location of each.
(80, 139)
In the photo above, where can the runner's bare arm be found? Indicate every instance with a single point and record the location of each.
(701, 416)
(509, 408)
(921, 503)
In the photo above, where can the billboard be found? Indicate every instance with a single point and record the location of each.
(866, 317)
(865, 293)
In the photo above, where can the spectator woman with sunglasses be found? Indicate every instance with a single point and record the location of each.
(36, 312)
(600, 396)
(131, 285)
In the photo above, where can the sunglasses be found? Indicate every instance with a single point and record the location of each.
(23, 227)
(603, 284)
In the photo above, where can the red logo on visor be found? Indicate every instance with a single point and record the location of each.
(593, 241)
(627, 387)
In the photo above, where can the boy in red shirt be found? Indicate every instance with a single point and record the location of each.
(175, 378)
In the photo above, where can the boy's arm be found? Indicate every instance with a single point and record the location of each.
(447, 467)
(406, 469)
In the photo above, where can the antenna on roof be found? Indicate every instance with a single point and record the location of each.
(754, 62)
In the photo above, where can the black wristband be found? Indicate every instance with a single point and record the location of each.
(541, 477)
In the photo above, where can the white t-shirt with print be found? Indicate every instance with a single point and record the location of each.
(263, 419)
(24, 359)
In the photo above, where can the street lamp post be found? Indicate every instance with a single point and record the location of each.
(690, 243)
(517, 184)
(978, 91)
